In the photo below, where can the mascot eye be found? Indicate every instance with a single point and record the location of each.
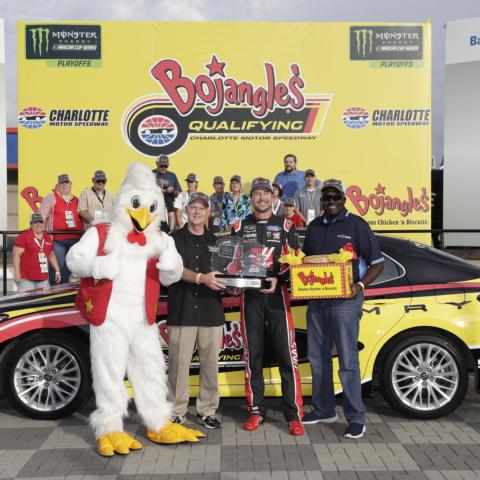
(135, 202)
(153, 206)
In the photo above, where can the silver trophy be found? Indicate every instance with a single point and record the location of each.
(242, 264)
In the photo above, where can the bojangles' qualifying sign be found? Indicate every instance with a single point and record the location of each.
(351, 101)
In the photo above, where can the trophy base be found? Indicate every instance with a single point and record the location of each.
(245, 282)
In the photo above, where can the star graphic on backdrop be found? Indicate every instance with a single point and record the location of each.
(89, 306)
(379, 189)
(215, 67)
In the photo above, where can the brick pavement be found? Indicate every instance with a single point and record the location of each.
(394, 448)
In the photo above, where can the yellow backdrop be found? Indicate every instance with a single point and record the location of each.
(351, 101)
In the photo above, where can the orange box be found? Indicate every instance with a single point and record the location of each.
(320, 280)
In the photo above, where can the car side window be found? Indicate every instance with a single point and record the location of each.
(391, 271)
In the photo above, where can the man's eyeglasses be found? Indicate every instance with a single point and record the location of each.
(335, 198)
(100, 181)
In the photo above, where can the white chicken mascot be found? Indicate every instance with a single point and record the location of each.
(122, 265)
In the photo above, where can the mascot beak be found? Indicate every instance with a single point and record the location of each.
(141, 218)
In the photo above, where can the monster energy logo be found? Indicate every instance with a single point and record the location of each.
(364, 41)
(40, 40)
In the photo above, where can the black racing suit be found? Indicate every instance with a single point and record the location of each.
(262, 313)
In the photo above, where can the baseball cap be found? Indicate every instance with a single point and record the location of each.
(63, 177)
(333, 183)
(191, 177)
(162, 160)
(261, 182)
(36, 218)
(279, 187)
(289, 202)
(311, 172)
(218, 179)
(199, 197)
(99, 175)
(236, 178)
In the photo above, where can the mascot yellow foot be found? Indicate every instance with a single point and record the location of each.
(175, 433)
(117, 442)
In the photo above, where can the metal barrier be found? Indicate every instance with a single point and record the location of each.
(6, 233)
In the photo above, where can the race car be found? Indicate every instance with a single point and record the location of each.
(419, 340)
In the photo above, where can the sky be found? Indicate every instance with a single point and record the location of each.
(438, 11)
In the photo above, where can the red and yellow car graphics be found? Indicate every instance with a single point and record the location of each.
(419, 340)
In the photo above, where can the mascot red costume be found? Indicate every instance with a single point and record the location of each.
(122, 265)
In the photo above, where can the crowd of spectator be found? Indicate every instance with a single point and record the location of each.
(296, 196)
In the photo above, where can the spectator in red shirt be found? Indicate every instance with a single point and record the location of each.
(289, 206)
(32, 252)
(60, 211)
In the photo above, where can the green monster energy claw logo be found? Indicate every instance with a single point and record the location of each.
(364, 41)
(40, 40)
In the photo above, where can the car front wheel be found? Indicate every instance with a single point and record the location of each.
(47, 376)
(424, 376)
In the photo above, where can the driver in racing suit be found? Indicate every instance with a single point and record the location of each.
(268, 311)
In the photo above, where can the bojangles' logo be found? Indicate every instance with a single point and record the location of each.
(379, 201)
(213, 103)
(311, 278)
(216, 90)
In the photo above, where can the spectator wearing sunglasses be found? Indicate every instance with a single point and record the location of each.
(336, 321)
(95, 203)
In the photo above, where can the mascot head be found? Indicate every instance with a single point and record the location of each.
(139, 205)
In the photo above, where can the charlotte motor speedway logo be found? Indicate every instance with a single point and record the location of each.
(355, 117)
(213, 106)
(358, 117)
(32, 118)
(35, 117)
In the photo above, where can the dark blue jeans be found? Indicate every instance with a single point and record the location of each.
(61, 248)
(335, 322)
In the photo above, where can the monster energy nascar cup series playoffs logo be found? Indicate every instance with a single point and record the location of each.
(368, 42)
(62, 42)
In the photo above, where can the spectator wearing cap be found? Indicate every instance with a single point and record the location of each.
(216, 205)
(95, 203)
(183, 198)
(170, 186)
(277, 204)
(309, 198)
(60, 212)
(336, 321)
(32, 252)
(195, 316)
(289, 205)
(236, 205)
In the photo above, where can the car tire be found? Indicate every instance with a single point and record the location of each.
(47, 376)
(423, 376)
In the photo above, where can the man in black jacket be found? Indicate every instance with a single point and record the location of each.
(268, 311)
(195, 315)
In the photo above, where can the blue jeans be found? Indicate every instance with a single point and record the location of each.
(329, 322)
(24, 285)
(61, 248)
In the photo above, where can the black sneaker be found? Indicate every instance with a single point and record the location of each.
(355, 430)
(210, 421)
(177, 419)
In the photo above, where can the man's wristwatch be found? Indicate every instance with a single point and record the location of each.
(361, 284)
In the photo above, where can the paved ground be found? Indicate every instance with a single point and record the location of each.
(394, 448)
